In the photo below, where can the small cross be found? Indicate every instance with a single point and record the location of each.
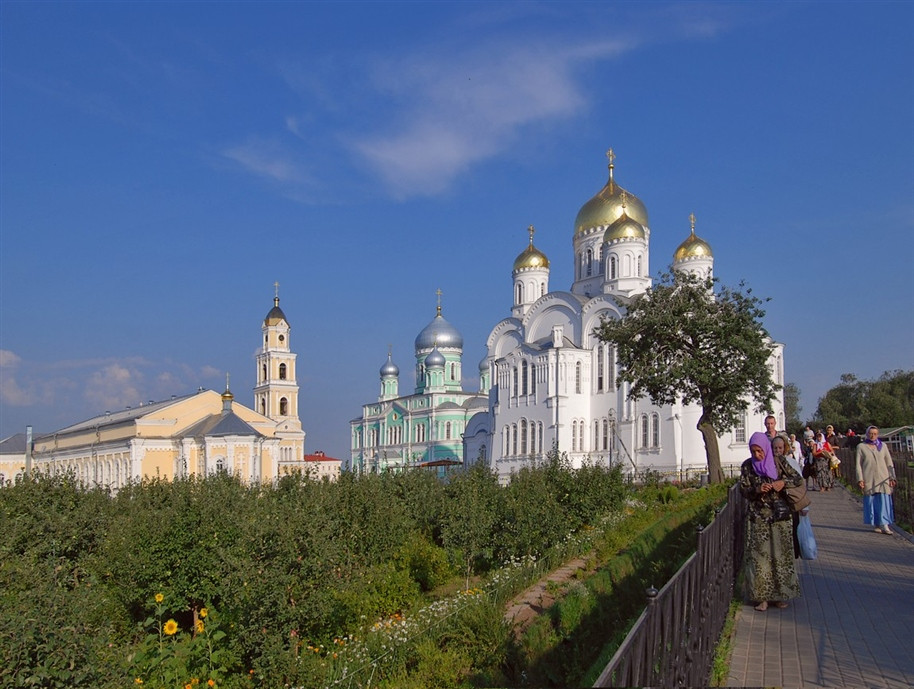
(226, 380)
(692, 221)
(611, 156)
(438, 292)
(276, 286)
(531, 231)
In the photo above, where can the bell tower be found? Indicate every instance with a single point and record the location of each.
(276, 391)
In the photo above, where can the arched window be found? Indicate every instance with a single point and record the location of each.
(523, 436)
(283, 406)
(600, 264)
(605, 434)
(519, 293)
(542, 289)
(577, 377)
(588, 262)
(539, 442)
(574, 436)
(282, 371)
(220, 465)
(513, 439)
(420, 433)
(506, 441)
(612, 268)
(645, 431)
(453, 371)
(600, 365)
(532, 379)
(447, 430)
(655, 430)
(264, 372)
(263, 406)
(483, 454)
(639, 266)
(596, 434)
(523, 377)
(514, 370)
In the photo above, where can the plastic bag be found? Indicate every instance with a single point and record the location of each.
(808, 549)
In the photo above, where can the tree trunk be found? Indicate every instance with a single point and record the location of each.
(715, 473)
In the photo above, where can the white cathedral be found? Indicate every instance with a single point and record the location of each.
(551, 381)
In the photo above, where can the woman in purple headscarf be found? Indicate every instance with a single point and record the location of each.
(768, 564)
(876, 478)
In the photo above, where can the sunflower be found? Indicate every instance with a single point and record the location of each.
(200, 626)
(171, 627)
(203, 612)
(159, 598)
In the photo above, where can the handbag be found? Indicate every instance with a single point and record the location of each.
(797, 497)
(809, 469)
(808, 548)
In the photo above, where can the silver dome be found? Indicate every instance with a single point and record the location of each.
(435, 359)
(389, 368)
(439, 333)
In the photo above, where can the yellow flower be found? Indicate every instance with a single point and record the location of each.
(171, 627)
(159, 598)
(212, 683)
(188, 686)
(200, 626)
(138, 681)
(202, 612)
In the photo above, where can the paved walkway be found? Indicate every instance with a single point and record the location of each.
(853, 625)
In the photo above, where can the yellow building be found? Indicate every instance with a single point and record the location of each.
(12, 458)
(200, 433)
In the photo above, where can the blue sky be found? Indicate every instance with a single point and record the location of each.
(163, 164)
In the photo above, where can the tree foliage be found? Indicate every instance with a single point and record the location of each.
(792, 407)
(690, 339)
(886, 402)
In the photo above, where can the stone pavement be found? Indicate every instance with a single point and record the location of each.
(853, 625)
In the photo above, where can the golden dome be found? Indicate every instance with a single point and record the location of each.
(606, 207)
(531, 257)
(693, 247)
(624, 228)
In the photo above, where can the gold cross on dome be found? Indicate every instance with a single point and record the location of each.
(276, 287)
(438, 292)
(531, 231)
(611, 156)
(692, 221)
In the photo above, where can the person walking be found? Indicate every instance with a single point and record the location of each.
(770, 572)
(823, 454)
(876, 478)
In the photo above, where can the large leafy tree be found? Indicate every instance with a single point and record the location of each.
(886, 402)
(690, 339)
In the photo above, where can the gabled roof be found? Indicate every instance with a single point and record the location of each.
(220, 425)
(123, 416)
(14, 445)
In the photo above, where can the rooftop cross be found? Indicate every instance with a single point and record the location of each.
(531, 231)
(438, 292)
(692, 221)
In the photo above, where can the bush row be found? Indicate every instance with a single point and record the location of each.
(95, 588)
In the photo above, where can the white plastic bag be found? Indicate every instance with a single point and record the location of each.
(808, 549)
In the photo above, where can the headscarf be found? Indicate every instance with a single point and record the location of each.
(877, 442)
(765, 468)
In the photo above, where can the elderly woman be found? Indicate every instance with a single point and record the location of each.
(876, 478)
(823, 452)
(769, 568)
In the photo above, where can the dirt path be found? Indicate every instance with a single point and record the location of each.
(535, 600)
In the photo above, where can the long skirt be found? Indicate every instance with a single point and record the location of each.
(824, 478)
(878, 509)
(769, 568)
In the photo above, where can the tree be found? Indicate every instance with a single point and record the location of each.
(854, 403)
(689, 339)
(792, 407)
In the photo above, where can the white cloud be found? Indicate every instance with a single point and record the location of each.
(268, 160)
(454, 110)
(113, 387)
(9, 359)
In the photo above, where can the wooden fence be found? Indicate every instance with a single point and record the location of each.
(673, 642)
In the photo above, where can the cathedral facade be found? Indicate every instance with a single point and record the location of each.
(551, 382)
(200, 433)
(423, 429)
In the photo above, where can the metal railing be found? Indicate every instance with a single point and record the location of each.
(672, 644)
